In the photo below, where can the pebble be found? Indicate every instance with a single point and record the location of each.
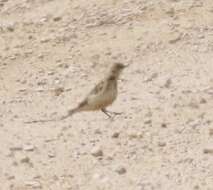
(135, 135)
(96, 152)
(25, 159)
(168, 83)
(28, 147)
(51, 154)
(203, 101)
(98, 131)
(161, 144)
(175, 38)
(148, 121)
(211, 132)
(58, 18)
(164, 125)
(45, 40)
(115, 135)
(58, 91)
(16, 148)
(120, 170)
(34, 184)
(208, 150)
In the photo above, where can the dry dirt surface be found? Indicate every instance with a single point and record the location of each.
(53, 52)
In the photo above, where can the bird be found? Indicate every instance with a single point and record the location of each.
(100, 97)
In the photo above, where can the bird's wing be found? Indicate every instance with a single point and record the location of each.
(98, 88)
(96, 92)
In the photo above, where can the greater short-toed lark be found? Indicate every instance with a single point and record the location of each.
(102, 95)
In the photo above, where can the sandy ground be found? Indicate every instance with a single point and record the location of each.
(164, 138)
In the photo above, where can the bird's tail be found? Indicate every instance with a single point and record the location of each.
(70, 113)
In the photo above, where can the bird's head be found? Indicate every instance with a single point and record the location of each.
(117, 69)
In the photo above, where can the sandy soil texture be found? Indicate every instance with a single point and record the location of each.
(53, 52)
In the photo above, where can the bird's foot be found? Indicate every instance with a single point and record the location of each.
(110, 113)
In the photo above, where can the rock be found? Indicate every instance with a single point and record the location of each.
(193, 105)
(164, 125)
(98, 131)
(34, 184)
(151, 78)
(56, 19)
(135, 135)
(162, 144)
(203, 101)
(25, 159)
(45, 40)
(58, 91)
(168, 83)
(148, 121)
(170, 12)
(211, 132)
(97, 152)
(120, 169)
(51, 154)
(175, 38)
(10, 27)
(115, 135)
(208, 150)
(11, 177)
(16, 148)
(28, 147)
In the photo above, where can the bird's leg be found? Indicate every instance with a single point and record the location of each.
(106, 112)
(110, 112)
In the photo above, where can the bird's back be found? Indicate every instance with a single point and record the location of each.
(104, 95)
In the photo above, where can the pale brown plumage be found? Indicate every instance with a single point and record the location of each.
(101, 96)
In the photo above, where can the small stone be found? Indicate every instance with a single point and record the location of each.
(97, 176)
(193, 105)
(97, 152)
(148, 121)
(25, 159)
(101, 178)
(135, 135)
(153, 76)
(203, 101)
(175, 38)
(168, 83)
(51, 154)
(45, 40)
(11, 28)
(58, 91)
(34, 184)
(196, 187)
(98, 131)
(11, 177)
(40, 56)
(109, 158)
(120, 170)
(56, 19)
(164, 125)
(115, 135)
(211, 132)
(16, 148)
(208, 151)
(15, 163)
(28, 147)
(162, 144)
(170, 12)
